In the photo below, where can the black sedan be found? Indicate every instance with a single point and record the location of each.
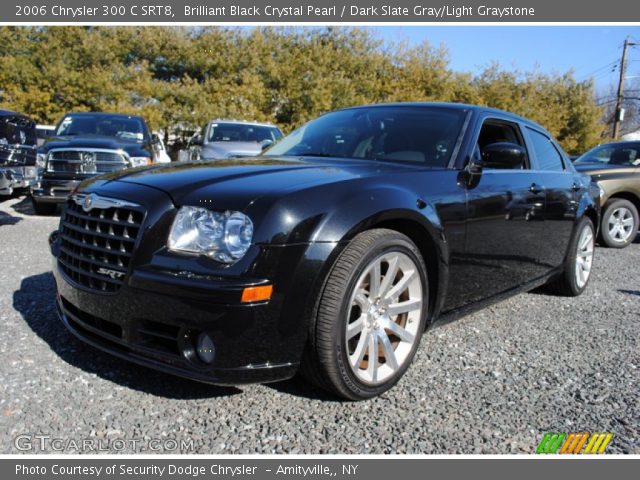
(331, 253)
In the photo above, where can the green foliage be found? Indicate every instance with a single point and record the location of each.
(182, 77)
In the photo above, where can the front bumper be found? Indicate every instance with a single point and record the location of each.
(12, 178)
(53, 191)
(154, 320)
(166, 300)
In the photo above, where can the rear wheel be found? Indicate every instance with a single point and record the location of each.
(370, 316)
(619, 223)
(577, 267)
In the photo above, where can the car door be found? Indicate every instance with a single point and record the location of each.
(505, 216)
(562, 185)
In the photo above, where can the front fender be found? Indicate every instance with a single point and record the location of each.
(363, 210)
(336, 213)
(328, 233)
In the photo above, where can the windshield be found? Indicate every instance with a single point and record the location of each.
(237, 132)
(425, 135)
(17, 131)
(120, 126)
(620, 154)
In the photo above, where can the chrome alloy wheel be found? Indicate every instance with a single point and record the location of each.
(584, 256)
(621, 225)
(384, 317)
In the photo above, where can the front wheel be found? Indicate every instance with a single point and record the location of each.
(370, 317)
(579, 261)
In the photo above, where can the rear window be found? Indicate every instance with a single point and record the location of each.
(621, 154)
(238, 132)
(546, 153)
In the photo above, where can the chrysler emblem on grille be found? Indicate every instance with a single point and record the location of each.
(88, 202)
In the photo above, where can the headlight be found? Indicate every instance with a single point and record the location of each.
(139, 161)
(225, 237)
(41, 159)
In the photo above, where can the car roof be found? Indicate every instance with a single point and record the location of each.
(81, 114)
(621, 142)
(241, 122)
(11, 113)
(7, 112)
(458, 106)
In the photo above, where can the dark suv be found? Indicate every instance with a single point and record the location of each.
(89, 144)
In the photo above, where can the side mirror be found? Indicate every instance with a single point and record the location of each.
(155, 139)
(266, 143)
(504, 155)
(196, 142)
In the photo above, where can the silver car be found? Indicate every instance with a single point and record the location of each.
(221, 139)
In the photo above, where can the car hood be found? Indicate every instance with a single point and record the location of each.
(603, 169)
(93, 141)
(236, 183)
(230, 149)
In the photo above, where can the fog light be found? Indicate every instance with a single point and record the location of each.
(205, 349)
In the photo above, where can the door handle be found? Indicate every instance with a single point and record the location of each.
(535, 188)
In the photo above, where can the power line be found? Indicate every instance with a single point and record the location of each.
(603, 67)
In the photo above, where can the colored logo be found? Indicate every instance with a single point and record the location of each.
(583, 442)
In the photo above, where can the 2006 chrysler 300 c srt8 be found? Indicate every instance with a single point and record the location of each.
(331, 253)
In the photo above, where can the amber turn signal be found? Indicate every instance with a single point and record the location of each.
(257, 294)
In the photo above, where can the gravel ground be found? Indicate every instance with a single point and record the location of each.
(492, 382)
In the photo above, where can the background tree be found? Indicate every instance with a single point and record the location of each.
(179, 77)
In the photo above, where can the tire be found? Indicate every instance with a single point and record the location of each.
(43, 208)
(337, 356)
(571, 282)
(619, 223)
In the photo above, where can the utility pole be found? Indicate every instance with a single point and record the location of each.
(619, 111)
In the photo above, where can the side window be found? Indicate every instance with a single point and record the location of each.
(548, 156)
(497, 131)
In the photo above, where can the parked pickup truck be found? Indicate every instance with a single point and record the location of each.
(17, 152)
(88, 144)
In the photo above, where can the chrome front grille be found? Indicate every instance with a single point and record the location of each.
(97, 238)
(86, 161)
